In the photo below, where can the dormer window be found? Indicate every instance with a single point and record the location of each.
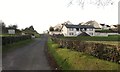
(71, 33)
(90, 29)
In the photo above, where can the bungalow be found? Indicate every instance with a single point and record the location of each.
(11, 31)
(75, 30)
(107, 27)
(102, 26)
(113, 26)
(54, 32)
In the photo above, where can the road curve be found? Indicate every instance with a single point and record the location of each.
(31, 57)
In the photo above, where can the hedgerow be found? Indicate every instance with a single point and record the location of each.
(101, 51)
(13, 39)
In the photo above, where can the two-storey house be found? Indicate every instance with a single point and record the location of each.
(75, 30)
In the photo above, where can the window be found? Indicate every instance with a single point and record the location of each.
(71, 29)
(71, 33)
(91, 33)
(90, 29)
(77, 29)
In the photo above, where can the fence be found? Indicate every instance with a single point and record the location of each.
(101, 51)
(13, 39)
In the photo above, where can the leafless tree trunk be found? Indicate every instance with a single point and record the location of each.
(94, 2)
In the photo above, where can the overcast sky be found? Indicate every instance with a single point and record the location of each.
(45, 13)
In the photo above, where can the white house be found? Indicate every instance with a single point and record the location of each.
(54, 32)
(104, 26)
(11, 31)
(107, 26)
(113, 26)
(75, 30)
(93, 23)
(22, 33)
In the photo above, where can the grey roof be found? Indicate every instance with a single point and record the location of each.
(115, 25)
(102, 24)
(79, 26)
(83, 34)
(107, 25)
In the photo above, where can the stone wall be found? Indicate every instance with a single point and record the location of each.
(101, 51)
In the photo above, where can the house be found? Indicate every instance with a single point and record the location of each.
(90, 28)
(75, 30)
(11, 31)
(55, 32)
(102, 26)
(107, 27)
(22, 33)
(57, 28)
(107, 30)
(94, 24)
(113, 27)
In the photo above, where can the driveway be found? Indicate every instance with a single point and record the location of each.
(31, 57)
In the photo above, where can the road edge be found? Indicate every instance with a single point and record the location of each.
(53, 64)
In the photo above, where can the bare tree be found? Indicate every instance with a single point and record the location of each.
(94, 2)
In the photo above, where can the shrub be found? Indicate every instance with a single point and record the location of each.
(13, 39)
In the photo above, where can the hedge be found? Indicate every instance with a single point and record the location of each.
(101, 51)
(13, 39)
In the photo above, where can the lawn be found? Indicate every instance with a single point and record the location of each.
(73, 60)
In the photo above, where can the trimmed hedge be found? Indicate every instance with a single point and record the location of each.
(101, 51)
(13, 39)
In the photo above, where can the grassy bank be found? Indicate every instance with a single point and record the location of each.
(73, 60)
(13, 46)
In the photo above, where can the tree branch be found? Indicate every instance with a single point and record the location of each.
(82, 3)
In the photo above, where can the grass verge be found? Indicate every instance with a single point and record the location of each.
(73, 60)
(52, 48)
(13, 46)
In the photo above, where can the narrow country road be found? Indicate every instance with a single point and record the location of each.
(31, 57)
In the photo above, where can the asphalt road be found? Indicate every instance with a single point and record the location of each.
(31, 57)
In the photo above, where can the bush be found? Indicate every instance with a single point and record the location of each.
(13, 39)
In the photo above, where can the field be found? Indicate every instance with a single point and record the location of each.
(95, 38)
(6, 35)
(73, 60)
(116, 43)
